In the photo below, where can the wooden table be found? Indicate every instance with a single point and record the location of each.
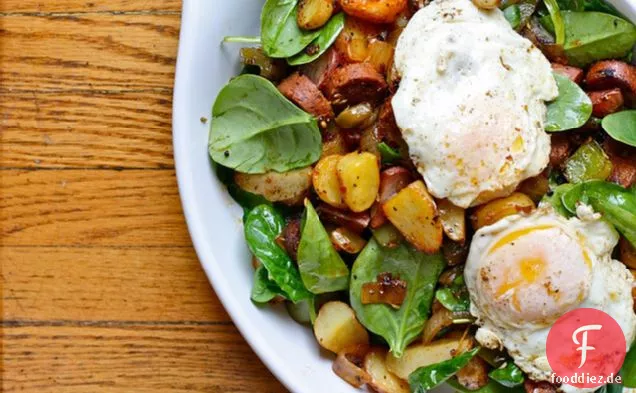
(101, 289)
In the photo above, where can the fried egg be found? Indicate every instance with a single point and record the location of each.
(471, 101)
(524, 272)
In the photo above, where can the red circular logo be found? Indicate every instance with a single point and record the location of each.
(586, 348)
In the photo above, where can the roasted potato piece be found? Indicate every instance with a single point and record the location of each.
(382, 380)
(300, 90)
(497, 209)
(487, 4)
(414, 214)
(355, 83)
(421, 355)
(359, 176)
(610, 74)
(380, 55)
(313, 14)
(353, 42)
(627, 253)
(357, 222)
(346, 240)
(453, 220)
(337, 328)
(535, 187)
(392, 180)
(575, 74)
(348, 366)
(276, 187)
(474, 375)
(375, 11)
(606, 102)
(325, 181)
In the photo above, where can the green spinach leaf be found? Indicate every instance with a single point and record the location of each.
(554, 199)
(255, 129)
(557, 21)
(571, 5)
(621, 126)
(509, 376)
(420, 272)
(280, 35)
(321, 267)
(601, 6)
(328, 34)
(388, 153)
(571, 109)
(426, 378)
(593, 36)
(513, 15)
(491, 387)
(628, 372)
(262, 225)
(264, 289)
(525, 10)
(615, 203)
(454, 298)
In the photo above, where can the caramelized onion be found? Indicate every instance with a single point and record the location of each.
(440, 320)
(386, 290)
(348, 366)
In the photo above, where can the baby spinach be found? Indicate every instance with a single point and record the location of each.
(571, 109)
(388, 153)
(554, 199)
(420, 271)
(426, 378)
(491, 387)
(255, 129)
(557, 21)
(615, 203)
(451, 301)
(263, 224)
(628, 372)
(513, 15)
(509, 376)
(264, 289)
(521, 8)
(328, 34)
(280, 35)
(601, 6)
(621, 126)
(321, 267)
(593, 36)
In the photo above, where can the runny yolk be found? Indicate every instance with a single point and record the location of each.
(512, 236)
(531, 269)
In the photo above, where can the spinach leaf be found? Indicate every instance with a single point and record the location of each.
(426, 378)
(571, 5)
(615, 203)
(557, 21)
(264, 289)
(454, 298)
(621, 126)
(628, 372)
(509, 376)
(388, 153)
(255, 129)
(303, 312)
(570, 109)
(525, 8)
(554, 199)
(420, 272)
(262, 225)
(280, 35)
(321, 267)
(491, 387)
(601, 6)
(328, 34)
(593, 36)
(513, 15)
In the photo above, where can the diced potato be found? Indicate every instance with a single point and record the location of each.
(337, 328)
(313, 14)
(277, 187)
(474, 375)
(453, 220)
(325, 180)
(487, 4)
(497, 209)
(359, 176)
(346, 240)
(375, 11)
(421, 355)
(382, 380)
(414, 213)
(353, 41)
(627, 253)
(380, 55)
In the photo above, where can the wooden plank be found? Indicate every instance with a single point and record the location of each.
(84, 129)
(89, 52)
(19, 6)
(123, 359)
(91, 207)
(106, 284)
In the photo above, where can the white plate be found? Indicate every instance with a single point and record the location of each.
(203, 67)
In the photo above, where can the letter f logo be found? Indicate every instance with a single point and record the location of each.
(584, 347)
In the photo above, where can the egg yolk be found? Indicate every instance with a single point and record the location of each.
(534, 274)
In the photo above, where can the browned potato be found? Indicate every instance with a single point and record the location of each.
(535, 187)
(627, 253)
(353, 42)
(382, 380)
(474, 375)
(346, 240)
(453, 220)
(277, 187)
(359, 176)
(375, 11)
(325, 181)
(421, 355)
(337, 328)
(487, 4)
(313, 14)
(348, 366)
(380, 55)
(414, 213)
(497, 209)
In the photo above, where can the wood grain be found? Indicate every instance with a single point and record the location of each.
(131, 358)
(106, 284)
(86, 129)
(88, 52)
(11, 7)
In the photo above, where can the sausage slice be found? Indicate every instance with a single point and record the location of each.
(303, 92)
(355, 83)
(605, 102)
(575, 74)
(610, 74)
